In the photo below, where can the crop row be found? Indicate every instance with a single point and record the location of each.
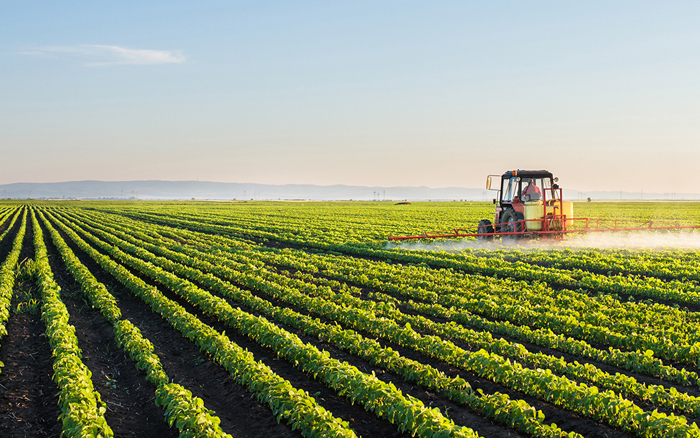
(667, 265)
(7, 274)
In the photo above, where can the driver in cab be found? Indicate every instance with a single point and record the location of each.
(531, 192)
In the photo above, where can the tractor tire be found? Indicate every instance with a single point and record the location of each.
(510, 224)
(484, 227)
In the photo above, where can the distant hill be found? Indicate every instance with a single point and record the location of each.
(202, 190)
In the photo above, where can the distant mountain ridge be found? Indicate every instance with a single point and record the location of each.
(203, 190)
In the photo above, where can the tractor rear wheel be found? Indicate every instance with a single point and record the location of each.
(485, 227)
(510, 224)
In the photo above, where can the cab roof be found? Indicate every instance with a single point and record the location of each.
(528, 173)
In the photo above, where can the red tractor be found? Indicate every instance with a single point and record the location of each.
(529, 201)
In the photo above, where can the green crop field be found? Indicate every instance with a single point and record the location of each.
(285, 319)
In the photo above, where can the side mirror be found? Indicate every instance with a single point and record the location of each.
(488, 183)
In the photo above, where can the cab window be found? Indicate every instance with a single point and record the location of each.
(510, 189)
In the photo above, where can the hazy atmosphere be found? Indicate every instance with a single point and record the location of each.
(271, 219)
(604, 94)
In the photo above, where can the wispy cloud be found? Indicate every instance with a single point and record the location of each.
(99, 55)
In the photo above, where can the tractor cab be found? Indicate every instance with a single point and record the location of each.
(516, 187)
(521, 186)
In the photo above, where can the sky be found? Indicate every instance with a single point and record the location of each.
(605, 94)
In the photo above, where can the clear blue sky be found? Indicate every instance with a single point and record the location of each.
(604, 94)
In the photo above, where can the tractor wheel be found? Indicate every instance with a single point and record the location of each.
(510, 224)
(485, 227)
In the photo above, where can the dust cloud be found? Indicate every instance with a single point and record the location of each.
(643, 240)
(636, 240)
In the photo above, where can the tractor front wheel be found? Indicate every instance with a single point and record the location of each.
(485, 230)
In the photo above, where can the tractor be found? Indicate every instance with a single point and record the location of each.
(529, 201)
